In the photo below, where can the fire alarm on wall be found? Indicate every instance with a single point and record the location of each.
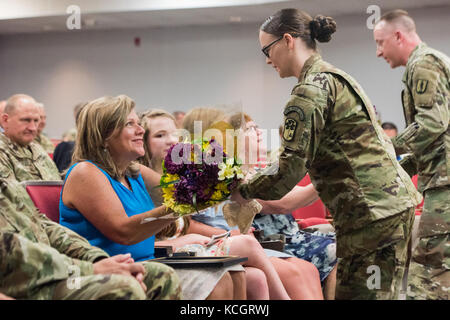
(137, 41)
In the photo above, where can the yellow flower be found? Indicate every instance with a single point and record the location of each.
(222, 186)
(182, 209)
(169, 177)
(217, 195)
(226, 171)
(205, 145)
(169, 200)
(239, 173)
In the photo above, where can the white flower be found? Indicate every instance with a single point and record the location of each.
(239, 173)
(230, 161)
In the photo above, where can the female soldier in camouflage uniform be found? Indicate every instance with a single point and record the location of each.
(330, 130)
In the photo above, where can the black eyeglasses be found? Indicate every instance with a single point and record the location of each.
(265, 50)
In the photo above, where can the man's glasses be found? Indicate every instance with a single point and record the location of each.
(265, 50)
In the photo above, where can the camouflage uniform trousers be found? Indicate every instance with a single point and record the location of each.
(162, 284)
(429, 271)
(375, 258)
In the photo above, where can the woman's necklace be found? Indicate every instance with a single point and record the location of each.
(124, 182)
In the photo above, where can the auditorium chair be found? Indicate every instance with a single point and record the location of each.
(55, 142)
(312, 215)
(420, 206)
(45, 196)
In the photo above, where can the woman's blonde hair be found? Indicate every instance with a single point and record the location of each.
(98, 121)
(239, 119)
(216, 119)
(208, 117)
(144, 117)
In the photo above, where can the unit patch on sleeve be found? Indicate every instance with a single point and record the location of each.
(290, 125)
(421, 86)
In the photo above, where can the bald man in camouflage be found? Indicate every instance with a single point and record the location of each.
(25, 159)
(426, 105)
(40, 259)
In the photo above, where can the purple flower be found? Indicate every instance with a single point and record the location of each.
(197, 180)
(234, 183)
(175, 159)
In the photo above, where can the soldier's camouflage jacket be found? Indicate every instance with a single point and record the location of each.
(330, 131)
(426, 104)
(27, 163)
(34, 251)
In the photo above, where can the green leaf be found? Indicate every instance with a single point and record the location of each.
(163, 185)
(164, 168)
(194, 201)
(220, 200)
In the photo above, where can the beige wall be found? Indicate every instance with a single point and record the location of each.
(180, 68)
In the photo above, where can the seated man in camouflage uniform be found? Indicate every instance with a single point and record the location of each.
(40, 259)
(25, 159)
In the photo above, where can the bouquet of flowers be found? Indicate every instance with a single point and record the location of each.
(197, 176)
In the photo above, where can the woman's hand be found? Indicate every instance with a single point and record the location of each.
(193, 238)
(298, 197)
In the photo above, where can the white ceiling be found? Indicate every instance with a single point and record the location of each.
(34, 16)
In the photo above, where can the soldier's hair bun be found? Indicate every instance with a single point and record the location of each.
(322, 28)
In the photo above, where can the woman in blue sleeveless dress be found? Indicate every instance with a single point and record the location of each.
(106, 196)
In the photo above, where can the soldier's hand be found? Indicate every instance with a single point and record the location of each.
(126, 258)
(140, 277)
(121, 264)
(236, 196)
(236, 232)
